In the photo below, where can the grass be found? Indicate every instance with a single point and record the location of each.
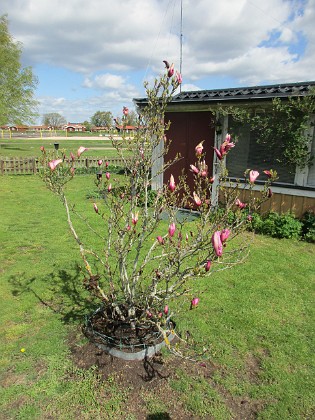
(19, 147)
(257, 322)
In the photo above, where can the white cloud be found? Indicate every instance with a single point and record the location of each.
(105, 81)
(112, 43)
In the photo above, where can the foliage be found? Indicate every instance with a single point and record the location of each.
(277, 225)
(280, 127)
(102, 119)
(308, 226)
(54, 120)
(145, 251)
(17, 84)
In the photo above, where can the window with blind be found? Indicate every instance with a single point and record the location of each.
(248, 154)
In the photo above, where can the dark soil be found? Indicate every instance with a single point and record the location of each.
(151, 377)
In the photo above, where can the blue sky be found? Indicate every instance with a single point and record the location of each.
(95, 55)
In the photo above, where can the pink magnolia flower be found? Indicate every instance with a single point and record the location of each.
(170, 70)
(253, 175)
(149, 315)
(81, 149)
(208, 265)
(194, 302)
(54, 163)
(196, 199)
(128, 227)
(125, 111)
(226, 145)
(225, 233)
(107, 175)
(228, 138)
(134, 218)
(217, 243)
(268, 173)
(95, 207)
(72, 157)
(179, 78)
(269, 192)
(194, 169)
(42, 148)
(99, 162)
(199, 149)
(211, 180)
(240, 204)
(172, 184)
(249, 217)
(160, 240)
(106, 164)
(109, 188)
(218, 153)
(203, 169)
(72, 171)
(166, 309)
(171, 229)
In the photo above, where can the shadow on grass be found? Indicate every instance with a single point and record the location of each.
(62, 291)
(158, 416)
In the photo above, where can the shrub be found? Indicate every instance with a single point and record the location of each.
(308, 226)
(277, 225)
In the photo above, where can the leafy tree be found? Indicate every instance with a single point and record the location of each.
(102, 119)
(54, 120)
(87, 125)
(17, 84)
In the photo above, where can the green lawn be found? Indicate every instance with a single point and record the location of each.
(25, 147)
(257, 322)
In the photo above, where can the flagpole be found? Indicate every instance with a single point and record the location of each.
(181, 42)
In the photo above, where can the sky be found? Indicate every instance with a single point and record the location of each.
(95, 55)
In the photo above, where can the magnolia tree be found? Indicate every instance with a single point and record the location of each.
(149, 251)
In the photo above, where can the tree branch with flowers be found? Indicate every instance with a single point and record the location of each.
(150, 253)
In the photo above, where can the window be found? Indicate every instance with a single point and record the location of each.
(248, 154)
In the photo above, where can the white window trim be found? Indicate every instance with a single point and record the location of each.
(301, 174)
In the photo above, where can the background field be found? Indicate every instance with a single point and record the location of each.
(256, 322)
(25, 147)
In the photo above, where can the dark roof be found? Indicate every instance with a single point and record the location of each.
(242, 93)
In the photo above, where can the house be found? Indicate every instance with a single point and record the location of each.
(121, 128)
(15, 128)
(74, 127)
(193, 119)
(99, 129)
(39, 127)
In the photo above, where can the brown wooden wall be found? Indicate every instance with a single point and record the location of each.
(187, 129)
(283, 203)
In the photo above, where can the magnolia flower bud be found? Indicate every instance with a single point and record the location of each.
(81, 149)
(194, 302)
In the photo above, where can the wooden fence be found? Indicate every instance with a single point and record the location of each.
(30, 165)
